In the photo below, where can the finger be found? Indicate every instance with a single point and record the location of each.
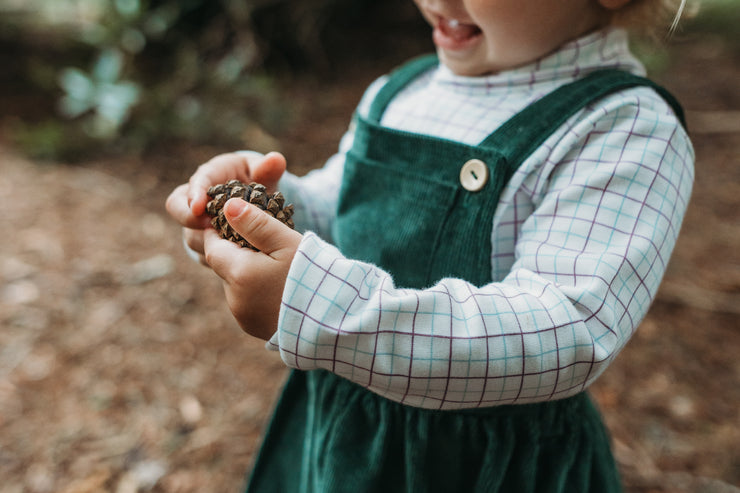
(195, 254)
(193, 239)
(220, 169)
(261, 230)
(219, 255)
(177, 206)
(269, 169)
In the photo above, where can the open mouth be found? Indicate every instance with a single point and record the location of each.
(454, 35)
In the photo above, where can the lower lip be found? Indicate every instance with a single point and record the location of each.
(445, 42)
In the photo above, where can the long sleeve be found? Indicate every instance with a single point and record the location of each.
(604, 202)
(315, 195)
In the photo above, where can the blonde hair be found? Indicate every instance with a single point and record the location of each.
(654, 18)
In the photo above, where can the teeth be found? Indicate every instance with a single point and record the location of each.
(458, 30)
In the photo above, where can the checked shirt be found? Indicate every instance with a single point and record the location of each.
(581, 239)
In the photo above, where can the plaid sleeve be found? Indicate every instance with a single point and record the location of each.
(587, 263)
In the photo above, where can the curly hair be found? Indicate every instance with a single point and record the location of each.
(654, 18)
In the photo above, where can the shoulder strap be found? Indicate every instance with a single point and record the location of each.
(397, 79)
(526, 131)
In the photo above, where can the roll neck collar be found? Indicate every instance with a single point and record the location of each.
(607, 48)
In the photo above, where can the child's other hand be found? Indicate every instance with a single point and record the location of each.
(246, 167)
(253, 281)
(187, 203)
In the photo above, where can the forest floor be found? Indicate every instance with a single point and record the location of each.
(122, 370)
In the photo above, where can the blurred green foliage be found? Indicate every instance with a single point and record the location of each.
(84, 76)
(128, 74)
(718, 18)
(705, 20)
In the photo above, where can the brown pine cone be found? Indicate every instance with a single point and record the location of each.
(254, 193)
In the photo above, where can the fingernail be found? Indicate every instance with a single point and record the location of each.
(235, 207)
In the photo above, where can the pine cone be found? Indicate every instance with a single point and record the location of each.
(254, 193)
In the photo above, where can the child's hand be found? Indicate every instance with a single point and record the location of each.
(187, 203)
(253, 281)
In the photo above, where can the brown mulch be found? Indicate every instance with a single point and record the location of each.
(121, 369)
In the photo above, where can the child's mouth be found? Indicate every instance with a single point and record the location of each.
(452, 34)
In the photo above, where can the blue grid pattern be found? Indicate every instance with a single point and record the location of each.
(581, 239)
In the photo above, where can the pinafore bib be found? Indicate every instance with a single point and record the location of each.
(415, 206)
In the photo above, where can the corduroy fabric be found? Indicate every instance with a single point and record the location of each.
(402, 208)
(337, 438)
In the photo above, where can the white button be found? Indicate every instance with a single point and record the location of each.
(474, 175)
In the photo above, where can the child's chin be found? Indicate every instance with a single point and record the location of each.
(464, 66)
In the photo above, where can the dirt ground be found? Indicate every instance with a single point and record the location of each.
(121, 369)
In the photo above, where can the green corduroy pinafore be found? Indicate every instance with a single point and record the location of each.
(402, 207)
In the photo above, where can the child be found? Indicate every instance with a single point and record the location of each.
(489, 236)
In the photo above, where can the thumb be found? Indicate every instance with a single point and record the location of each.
(263, 231)
(269, 170)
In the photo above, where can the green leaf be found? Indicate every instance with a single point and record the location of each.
(133, 40)
(128, 8)
(116, 100)
(108, 66)
(73, 107)
(76, 84)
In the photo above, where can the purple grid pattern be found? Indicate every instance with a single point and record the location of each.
(581, 239)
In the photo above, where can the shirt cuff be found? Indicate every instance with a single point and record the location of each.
(273, 344)
(313, 282)
(302, 279)
(194, 256)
